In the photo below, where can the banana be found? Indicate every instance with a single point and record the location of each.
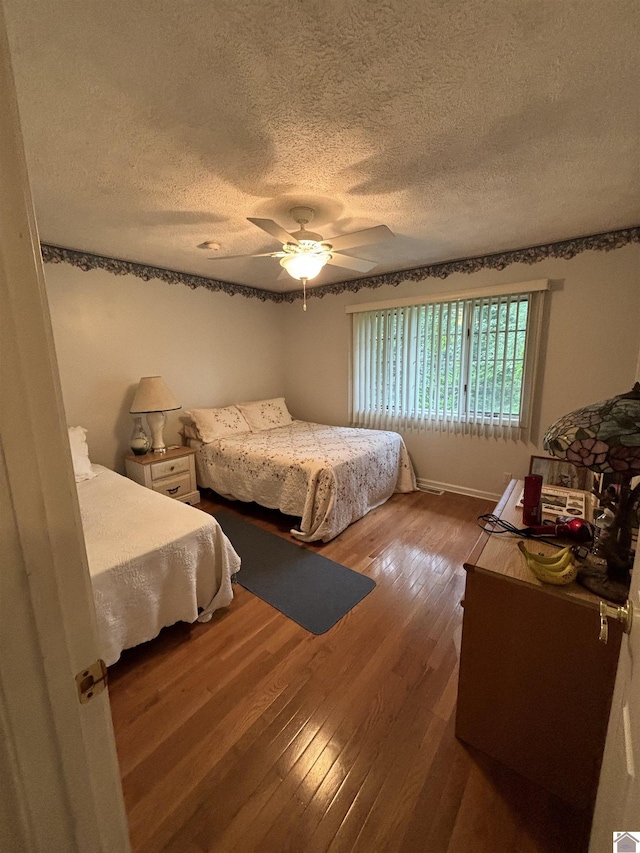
(559, 569)
(565, 576)
(559, 557)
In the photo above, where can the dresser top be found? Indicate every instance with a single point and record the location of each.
(499, 554)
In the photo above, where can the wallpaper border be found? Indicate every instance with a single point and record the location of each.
(565, 250)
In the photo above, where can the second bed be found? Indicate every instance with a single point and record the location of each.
(327, 476)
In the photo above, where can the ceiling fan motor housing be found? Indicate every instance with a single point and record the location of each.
(308, 236)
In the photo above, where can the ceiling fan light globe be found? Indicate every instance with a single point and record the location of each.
(304, 265)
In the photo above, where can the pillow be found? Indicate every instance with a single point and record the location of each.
(190, 431)
(216, 423)
(80, 454)
(266, 414)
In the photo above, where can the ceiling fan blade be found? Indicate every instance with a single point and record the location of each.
(274, 230)
(233, 257)
(358, 264)
(361, 238)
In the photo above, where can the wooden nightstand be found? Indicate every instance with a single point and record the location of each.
(172, 473)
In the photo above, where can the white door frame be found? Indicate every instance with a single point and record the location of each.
(618, 802)
(60, 784)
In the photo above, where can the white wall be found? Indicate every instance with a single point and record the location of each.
(215, 349)
(591, 350)
(212, 350)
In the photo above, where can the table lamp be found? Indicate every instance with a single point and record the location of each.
(605, 437)
(153, 398)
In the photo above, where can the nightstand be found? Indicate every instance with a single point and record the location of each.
(172, 473)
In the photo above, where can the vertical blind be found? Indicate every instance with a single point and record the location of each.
(462, 365)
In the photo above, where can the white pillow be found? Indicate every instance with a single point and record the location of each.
(80, 454)
(216, 423)
(266, 414)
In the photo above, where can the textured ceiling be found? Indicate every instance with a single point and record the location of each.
(467, 127)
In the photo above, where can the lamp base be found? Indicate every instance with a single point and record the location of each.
(156, 422)
(596, 580)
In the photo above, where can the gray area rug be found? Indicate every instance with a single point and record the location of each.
(306, 587)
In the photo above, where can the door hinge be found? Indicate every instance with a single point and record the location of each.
(91, 681)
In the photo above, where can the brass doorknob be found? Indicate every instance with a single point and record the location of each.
(623, 614)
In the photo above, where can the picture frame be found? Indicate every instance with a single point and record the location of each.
(559, 472)
(607, 489)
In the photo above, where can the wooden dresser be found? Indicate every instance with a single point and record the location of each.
(535, 683)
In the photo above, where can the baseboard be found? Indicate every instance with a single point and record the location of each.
(428, 485)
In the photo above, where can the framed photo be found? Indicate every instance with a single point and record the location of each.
(558, 472)
(607, 487)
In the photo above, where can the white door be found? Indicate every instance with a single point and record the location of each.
(59, 785)
(618, 801)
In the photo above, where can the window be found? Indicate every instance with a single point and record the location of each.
(462, 364)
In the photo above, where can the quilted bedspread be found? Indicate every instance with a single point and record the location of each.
(153, 561)
(328, 476)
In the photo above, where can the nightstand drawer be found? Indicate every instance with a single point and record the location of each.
(174, 487)
(170, 468)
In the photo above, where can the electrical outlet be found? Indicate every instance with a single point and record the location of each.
(506, 477)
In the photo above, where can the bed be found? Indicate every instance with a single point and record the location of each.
(327, 476)
(153, 561)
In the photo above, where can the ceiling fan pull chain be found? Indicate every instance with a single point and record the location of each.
(304, 294)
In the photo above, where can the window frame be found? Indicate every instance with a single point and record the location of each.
(462, 420)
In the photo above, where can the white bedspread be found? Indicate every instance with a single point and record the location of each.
(153, 561)
(328, 476)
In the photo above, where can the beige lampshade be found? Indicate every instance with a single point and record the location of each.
(153, 396)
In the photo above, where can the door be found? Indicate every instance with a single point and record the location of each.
(618, 801)
(59, 786)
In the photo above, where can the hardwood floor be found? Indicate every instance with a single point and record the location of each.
(250, 734)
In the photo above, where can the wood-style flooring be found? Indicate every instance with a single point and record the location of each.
(250, 734)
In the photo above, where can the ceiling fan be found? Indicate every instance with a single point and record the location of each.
(304, 253)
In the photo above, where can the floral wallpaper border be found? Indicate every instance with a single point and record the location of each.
(565, 250)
